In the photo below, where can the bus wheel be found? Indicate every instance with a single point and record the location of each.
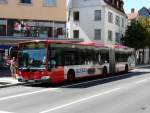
(126, 68)
(105, 71)
(71, 76)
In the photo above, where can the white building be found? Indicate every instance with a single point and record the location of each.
(100, 21)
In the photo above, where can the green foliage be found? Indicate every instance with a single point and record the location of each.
(137, 35)
(145, 22)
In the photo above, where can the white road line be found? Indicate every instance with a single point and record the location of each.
(94, 80)
(5, 112)
(81, 100)
(65, 86)
(141, 81)
(26, 94)
(45, 90)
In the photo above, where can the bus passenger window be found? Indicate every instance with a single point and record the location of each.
(99, 58)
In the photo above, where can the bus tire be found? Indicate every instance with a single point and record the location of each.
(105, 71)
(71, 75)
(126, 68)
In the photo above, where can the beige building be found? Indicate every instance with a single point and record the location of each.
(33, 18)
(22, 20)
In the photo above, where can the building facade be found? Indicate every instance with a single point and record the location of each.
(33, 18)
(23, 20)
(133, 15)
(100, 21)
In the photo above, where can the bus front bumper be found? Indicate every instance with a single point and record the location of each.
(44, 79)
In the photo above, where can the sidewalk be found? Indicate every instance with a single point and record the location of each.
(6, 80)
(141, 65)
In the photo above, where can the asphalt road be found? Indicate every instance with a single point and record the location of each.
(128, 93)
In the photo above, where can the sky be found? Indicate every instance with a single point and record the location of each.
(136, 4)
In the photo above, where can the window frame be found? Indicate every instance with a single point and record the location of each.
(110, 34)
(97, 31)
(76, 36)
(97, 17)
(21, 2)
(110, 17)
(123, 22)
(3, 2)
(49, 5)
(118, 38)
(76, 16)
(117, 20)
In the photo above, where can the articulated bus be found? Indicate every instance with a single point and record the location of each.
(58, 61)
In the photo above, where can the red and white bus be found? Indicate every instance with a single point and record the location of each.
(57, 61)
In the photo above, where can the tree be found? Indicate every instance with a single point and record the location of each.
(135, 36)
(138, 35)
(145, 22)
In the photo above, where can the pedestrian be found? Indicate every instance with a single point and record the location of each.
(13, 68)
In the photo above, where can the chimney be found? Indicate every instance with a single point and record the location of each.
(132, 10)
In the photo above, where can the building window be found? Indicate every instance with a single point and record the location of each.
(97, 33)
(25, 1)
(121, 6)
(97, 15)
(76, 16)
(75, 33)
(110, 35)
(3, 1)
(123, 22)
(110, 17)
(49, 2)
(118, 38)
(117, 20)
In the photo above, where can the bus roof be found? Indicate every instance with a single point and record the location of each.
(83, 43)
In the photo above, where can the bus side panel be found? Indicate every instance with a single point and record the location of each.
(57, 75)
(120, 67)
(25, 75)
(112, 61)
(132, 66)
(86, 70)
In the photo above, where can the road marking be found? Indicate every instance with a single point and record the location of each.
(44, 90)
(5, 112)
(95, 80)
(81, 100)
(26, 94)
(65, 86)
(141, 81)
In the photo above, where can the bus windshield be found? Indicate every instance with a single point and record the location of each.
(32, 57)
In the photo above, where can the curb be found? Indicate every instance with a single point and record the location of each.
(30, 83)
(9, 85)
(142, 66)
(17, 84)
